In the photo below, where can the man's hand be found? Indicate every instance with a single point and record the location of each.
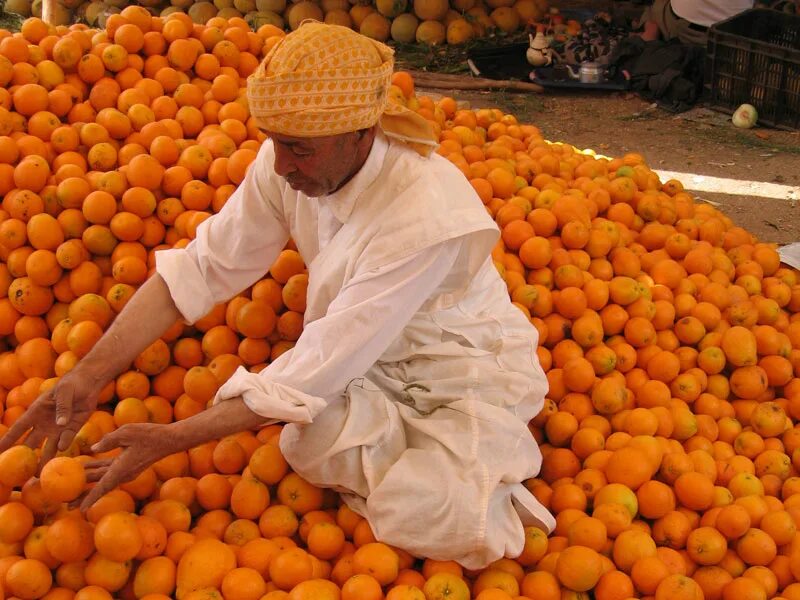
(142, 444)
(145, 443)
(56, 415)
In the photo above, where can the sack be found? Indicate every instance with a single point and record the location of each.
(668, 73)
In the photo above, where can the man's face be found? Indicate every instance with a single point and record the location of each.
(316, 166)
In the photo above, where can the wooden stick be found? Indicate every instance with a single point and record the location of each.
(48, 11)
(462, 82)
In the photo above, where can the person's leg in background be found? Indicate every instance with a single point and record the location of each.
(661, 22)
(653, 22)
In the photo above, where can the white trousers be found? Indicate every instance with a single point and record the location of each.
(435, 466)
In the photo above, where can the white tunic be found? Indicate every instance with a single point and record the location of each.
(708, 12)
(412, 384)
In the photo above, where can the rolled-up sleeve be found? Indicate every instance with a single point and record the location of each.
(233, 248)
(362, 321)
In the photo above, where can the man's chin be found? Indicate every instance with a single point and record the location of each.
(305, 187)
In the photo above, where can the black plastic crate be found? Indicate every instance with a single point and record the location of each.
(754, 58)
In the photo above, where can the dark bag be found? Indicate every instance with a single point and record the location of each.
(669, 73)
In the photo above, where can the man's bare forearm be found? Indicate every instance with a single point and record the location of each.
(225, 418)
(145, 318)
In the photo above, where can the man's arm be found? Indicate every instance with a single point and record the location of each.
(365, 318)
(56, 415)
(225, 418)
(145, 318)
(145, 443)
(232, 250)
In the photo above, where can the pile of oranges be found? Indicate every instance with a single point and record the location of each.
(670, 338)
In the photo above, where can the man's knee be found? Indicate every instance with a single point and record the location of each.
(416, 508)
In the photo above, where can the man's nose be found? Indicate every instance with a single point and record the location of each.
(284, 165)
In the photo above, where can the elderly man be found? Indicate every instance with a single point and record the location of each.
(410, 389)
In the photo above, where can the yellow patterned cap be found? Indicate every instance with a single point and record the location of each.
(323, 80)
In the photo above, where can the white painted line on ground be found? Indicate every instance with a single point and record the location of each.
(735, 187)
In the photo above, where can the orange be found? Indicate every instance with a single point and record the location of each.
(117, 536)
(613, 585)
(113, 501)
(201, 384)
(16, 521)
(756, 547)
(325, 540)
(244, 583)
(588, 531)
(154, 537)
(361, 586)
(406, 592)
(706, 546)
(28, 579)
(405, 82)
(647, 573)
(287, 264)
(744, 588)
(250, 497)
(17, 465)
(298, 494)
(290, 567)
(678, 587)
(495, 580)
(155, 575)
(377, 560)
(626, 467)
(656, 499)
(257, 554)
(694, 490)
(173, 515)
(446, 585)
(204, 564)
(63, 479)
(256, 319)
(578, 568)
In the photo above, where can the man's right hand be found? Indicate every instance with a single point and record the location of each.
(56, 415)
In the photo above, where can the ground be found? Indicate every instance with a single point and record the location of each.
(698, 142)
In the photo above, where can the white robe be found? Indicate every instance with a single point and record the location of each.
(708, 12)
(412, 384)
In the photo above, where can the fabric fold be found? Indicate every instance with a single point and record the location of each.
(270, 399)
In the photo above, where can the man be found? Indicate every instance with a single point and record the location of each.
(411, 386)
(688, 20)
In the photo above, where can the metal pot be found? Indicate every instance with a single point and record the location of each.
(589, 72)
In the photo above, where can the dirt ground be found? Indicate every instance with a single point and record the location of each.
(699, 142)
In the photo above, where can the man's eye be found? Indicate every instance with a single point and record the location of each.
(301, 152)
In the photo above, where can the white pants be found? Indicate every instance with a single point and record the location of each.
(435, 467)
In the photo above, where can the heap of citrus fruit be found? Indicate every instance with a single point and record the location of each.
(422, 21)
(670, 337)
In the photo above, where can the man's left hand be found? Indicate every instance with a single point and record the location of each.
(142, 444)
